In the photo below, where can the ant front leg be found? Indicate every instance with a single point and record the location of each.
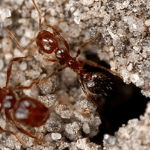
(3, 130)
(18, 59)
(16, 41)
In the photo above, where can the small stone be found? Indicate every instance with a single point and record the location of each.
(34, 14)
(56, 136)
(47, 87)
(130, 67)
(17, 145)
(17, 53)
(8, 56)
(82, 143)
(86, 128)
(48, 100)
(1, 64)
(147, 22)
(77, 20)
(136, 80)
(10, 143)
(24, 41)
(19, 2)
(86, 2)
(148, 108)
(6, 148)
(97, 121)
(109, 139)
(7, 45)
(4, 13)
(72, 128)
(23, 66)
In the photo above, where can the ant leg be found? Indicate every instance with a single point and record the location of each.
(44, 79)
(49, 59)
(58, 34)
(38, 81)
(3, 130)
(86, 43)
(9, 117)
(94, 64)
(16, 41)
(17, 59)
(40, 17)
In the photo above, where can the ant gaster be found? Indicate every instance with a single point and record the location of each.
(48, 43)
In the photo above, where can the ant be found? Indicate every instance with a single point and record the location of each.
(48, 43)
(26, 110)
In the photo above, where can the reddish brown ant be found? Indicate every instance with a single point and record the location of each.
(48, 43)
(27, 111)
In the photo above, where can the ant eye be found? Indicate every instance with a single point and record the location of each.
(46, 41)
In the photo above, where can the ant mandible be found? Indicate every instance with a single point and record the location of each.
(48, 43)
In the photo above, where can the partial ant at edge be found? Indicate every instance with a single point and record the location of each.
(25, 110)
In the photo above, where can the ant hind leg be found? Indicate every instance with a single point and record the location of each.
(3, 130)
(94, 64)
(38, 81)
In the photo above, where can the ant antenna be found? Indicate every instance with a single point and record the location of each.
(38, 13)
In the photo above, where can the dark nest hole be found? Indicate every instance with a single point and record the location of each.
(124, 104)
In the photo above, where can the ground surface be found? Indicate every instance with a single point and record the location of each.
(123, 43)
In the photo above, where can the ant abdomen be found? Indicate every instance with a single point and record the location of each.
(99, 84)
(46, 41)
(31, 112)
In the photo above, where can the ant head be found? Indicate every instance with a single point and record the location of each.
(46, 41)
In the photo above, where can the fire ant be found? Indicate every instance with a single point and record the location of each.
(26, 110)
(48, 43)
